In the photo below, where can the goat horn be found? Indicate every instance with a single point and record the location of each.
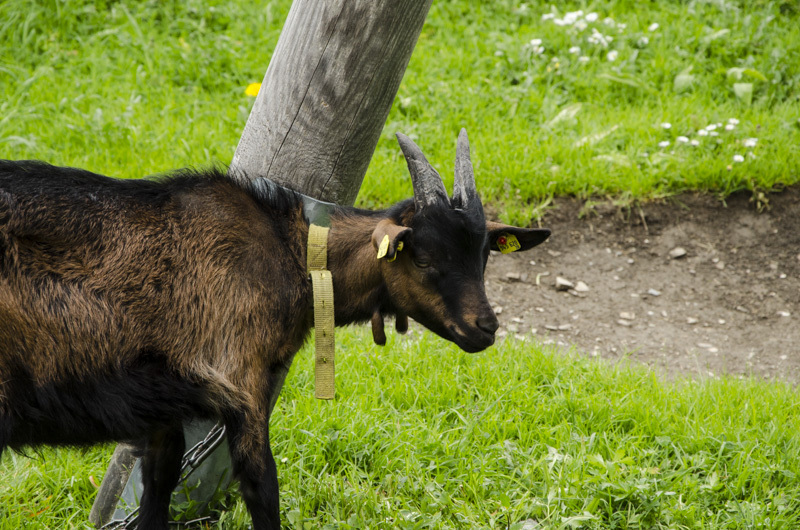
(428, 186)
(465, 194)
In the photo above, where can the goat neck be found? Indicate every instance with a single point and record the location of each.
(359, 291)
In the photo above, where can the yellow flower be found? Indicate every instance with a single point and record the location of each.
(252, 89)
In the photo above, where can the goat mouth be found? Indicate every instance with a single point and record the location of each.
(477, 340)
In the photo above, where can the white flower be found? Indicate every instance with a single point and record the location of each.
(665, 143)
(621, 27)
(592, 17)
(750, 142)
(695, 142)
(608, 21)
(643, 41)
(682, 139)
(575, 50)
(598, 38)
(738, 158)
(702, 132)
(612, 55)
(730, 127)
(583, 59)
(560, 22)
(535, 42)
(713, 133)
(733, 121)
(666, 125)
(572, 16)
(548, 16)
(581, 25)
(652, 27)
(711, 127)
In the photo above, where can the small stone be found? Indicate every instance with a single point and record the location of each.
(512, 328)
(554, 253)
(562, 284)
(712, 349)
(784, 314)
(550, 327)
(691, 320)
(742, 309)
(564, 327)
(581, 287)
(626, 323)
(653, 292)
(677, 253)
(539, 309)
(627, 316)
(721, 321)
(705, 345)
(513, 277)
(498, 309)
(720, 265)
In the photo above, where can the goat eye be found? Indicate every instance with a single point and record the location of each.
(422, 262)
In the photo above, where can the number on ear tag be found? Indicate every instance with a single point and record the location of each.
(508, 243)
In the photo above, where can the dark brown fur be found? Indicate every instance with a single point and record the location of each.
(129, 307)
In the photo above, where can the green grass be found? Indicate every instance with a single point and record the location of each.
(134, 88)
(422, 435)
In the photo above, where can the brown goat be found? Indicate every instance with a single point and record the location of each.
(130, 306)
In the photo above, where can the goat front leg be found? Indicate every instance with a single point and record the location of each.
(161, 467)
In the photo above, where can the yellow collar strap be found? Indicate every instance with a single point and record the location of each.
(322, 283)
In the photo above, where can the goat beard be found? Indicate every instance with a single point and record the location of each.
(378, 334)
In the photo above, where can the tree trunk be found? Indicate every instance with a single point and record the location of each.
(327, 92)
(313, 128)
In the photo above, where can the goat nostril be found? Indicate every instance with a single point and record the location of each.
(488, 323)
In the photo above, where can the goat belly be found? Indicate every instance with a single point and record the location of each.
(110, 407)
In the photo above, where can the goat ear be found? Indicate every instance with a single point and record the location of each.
(507, 238)
(387, 238)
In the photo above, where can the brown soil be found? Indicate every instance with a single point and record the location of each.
(729, 306)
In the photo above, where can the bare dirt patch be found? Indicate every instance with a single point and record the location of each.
(729, 305)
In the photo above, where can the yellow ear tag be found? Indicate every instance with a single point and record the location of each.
(384, 247)
(508, 243)
(399, 248)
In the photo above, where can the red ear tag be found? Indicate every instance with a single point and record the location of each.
(501, 240)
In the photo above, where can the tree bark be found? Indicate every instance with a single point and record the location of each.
(314, 126)
(327, 92)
